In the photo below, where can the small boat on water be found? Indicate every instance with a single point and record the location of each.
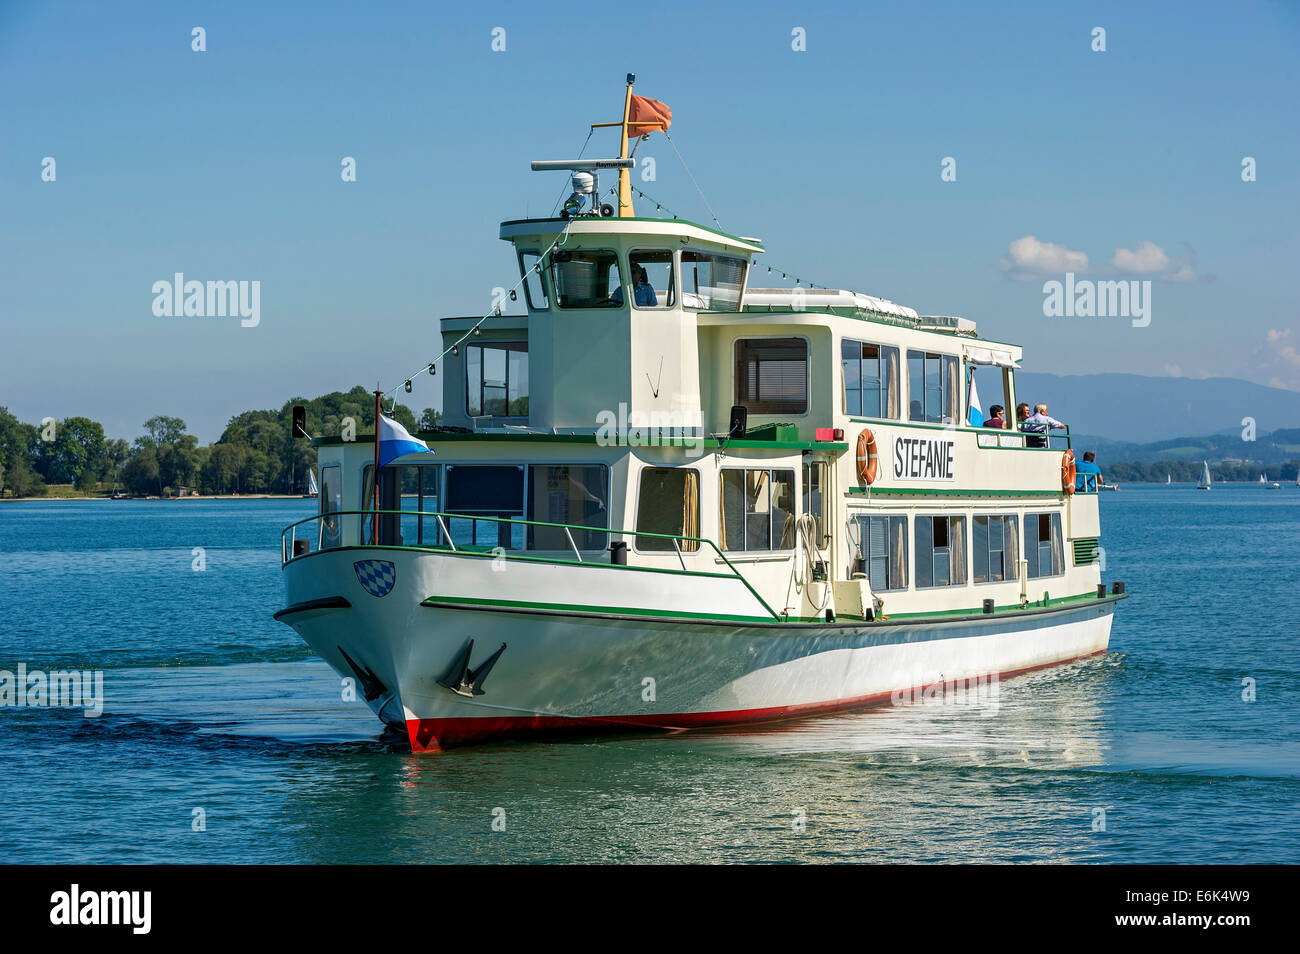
(663, 498)
(1205, 483)
(1168, 479)
(313, 489)
(1269, 485)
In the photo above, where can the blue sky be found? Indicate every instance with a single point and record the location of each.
(225, 165)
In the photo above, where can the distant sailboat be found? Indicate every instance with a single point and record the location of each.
(1205, 478)
(312, 489)
(1261, 479)
(1168, 479)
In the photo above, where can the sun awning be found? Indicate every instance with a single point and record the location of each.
(979, 354)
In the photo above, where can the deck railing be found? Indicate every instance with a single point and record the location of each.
(328, 535)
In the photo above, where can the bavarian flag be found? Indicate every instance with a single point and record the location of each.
(395, 441)
(975, 415)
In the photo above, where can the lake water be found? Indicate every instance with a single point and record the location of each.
(1147, 754)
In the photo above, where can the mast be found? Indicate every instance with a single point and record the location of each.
(624, 176)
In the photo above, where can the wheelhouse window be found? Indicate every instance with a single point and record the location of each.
(772, 375)
(651, 278)
(574, 494)
(995, 548)
(882, 552)
(932, 387)
(586, 278)
(757, 509)
(534, 287)
(331, 502)
(496, 379)
(870, 379)
(940, 551)
(668, 503)
(1043, 548)
(711, 282)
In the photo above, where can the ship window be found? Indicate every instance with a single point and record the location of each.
(711, 282)
(995, 548)
(496, 379)
(932, 387)
(870, 379)
(659, 290)
(815, 495)
(940, 551)
(410, 488)
(1043, 547)
(882, 552)
(669, 502)
(474, 490)
(757, 509)
(534, 287)
(331, 501)
(772, 375)
(586, 279)
(574, 494)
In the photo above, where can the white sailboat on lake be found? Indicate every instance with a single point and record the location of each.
(1205, 478)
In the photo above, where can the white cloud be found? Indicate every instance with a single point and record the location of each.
(1277, 361)
(1027, 257)
(1148, 259)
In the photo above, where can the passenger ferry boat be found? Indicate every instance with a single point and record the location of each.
(678, 500)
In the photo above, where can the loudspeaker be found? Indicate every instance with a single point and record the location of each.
(739, 422)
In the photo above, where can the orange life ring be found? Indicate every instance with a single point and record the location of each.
(868, 457)
(1068, 472)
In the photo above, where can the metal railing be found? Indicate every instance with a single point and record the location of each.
(327, 537)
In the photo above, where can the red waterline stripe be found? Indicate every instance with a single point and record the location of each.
(430, 735)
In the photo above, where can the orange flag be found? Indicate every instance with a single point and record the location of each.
(646, 110)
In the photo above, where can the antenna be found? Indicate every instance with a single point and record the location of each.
(586, 184)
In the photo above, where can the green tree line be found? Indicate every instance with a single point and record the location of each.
(256, 454)
(1189, 471)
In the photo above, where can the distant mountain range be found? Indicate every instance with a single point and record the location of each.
(1134, 409)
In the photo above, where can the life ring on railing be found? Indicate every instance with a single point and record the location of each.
(1068, 472)
(868, 457)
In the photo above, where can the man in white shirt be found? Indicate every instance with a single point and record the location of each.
(1040, 417)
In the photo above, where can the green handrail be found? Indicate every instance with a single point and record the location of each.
(286, 545)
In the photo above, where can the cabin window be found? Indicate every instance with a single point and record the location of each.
(995, 548)
(882, 552)
(669, 503)
(331, 502)
(940, 551)
(657, 290)
(496, 379)
(932, 387)
(1043, 547)
(870, 379)
(757, 509)
(711, 282)
(534, 287)
(815, 496)
(586, 279)
(474, 490)
(772, 375)
(410, 488)
(574, 494)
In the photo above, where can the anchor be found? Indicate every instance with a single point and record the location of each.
(464, 681)
(371, 687)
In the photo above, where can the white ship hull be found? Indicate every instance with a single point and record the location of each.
(599, 648)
